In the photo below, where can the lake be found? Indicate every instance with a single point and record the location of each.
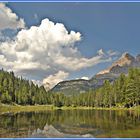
(71, 123)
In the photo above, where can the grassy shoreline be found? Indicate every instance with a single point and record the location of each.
(18, 108)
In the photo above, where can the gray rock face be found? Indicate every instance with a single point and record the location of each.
(122, 65)
(138, 58)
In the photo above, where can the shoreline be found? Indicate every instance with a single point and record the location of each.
(29, 108)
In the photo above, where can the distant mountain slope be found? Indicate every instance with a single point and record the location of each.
(122, 65)
(72, 87)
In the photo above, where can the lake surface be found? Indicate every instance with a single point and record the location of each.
(71, 123)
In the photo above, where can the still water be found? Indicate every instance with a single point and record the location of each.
(71, 123)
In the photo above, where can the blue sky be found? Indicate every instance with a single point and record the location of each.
(107, 26)
(103, 25)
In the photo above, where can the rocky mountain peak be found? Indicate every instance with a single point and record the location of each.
(121, 65)
(127, 56)
(125, 59)
(138, 58)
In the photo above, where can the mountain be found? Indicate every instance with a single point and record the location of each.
(72, 87)
(122, 65)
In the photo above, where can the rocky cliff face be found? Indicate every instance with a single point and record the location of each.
(122, 65)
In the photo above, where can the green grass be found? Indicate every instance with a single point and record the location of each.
(98, 108)
(28, 108)
(137, 108)
(19, 108)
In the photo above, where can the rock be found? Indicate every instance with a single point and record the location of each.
(138, 58)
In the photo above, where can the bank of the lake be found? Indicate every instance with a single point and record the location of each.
(28, 108)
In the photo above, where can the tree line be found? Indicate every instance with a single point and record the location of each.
(20, 91)
(123, 92)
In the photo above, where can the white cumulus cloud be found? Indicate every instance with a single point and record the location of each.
(48, 52)
(56, 78)
(8, 19)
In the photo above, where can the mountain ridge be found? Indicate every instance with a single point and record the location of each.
(126, 60)
(77, 86)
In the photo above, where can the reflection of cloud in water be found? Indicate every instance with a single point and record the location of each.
(49, 131)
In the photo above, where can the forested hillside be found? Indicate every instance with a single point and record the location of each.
(20, 91)
(124, 92)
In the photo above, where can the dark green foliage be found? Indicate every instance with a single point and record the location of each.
(124, 92)
(20, 91)
(5, 97)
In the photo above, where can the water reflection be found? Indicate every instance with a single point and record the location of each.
(49, 131)
(72, 122)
